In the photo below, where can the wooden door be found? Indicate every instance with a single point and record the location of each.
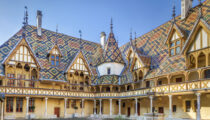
(160, 110)
(129, 111)
(138, 109)
(57, 111)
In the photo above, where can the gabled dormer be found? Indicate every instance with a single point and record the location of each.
(21, 64)
(22, 53)
(197, 46)
(55, 56)
(175, 40)
(79, 71)
(199, 37)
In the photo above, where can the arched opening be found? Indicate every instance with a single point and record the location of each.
(135, 77)
(191, 62)
(87, 80)
(128, 87)
(33, 74)
(19, 65)
(76, 73)
(209, 59)
(27, 67)
(193, 76)
(81, 74)
(201, 60)
(107, 89)
(140, 75)
(206, 73)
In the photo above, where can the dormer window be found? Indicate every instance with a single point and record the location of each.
(55, 56)
(175, 45)
(108, 71)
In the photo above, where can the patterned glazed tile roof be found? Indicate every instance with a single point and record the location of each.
(150, 48)
(108, 79)
(69, 47)
(112, 53)
(152, 44)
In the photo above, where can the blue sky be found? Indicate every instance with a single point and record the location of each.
(91, 16)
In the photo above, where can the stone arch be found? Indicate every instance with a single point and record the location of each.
(193, 76)
(201, 60)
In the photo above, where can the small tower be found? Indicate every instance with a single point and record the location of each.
(112, 62)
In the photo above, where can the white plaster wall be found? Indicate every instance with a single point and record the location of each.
(116, 68)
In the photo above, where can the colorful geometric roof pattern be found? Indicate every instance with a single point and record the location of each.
(150, 47)
(112, 53)
(152, 44)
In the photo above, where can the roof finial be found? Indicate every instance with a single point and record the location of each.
(111, 26)
(25, 19)
(174, 13)
(135, 40)
(80, 39)
(56, 41)
(131, 36)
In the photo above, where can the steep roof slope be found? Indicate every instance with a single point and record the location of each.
(152, 44)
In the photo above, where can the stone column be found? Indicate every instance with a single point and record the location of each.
(110, 102)
(198, 106)
(83, 108)
(119, 106)
(170, 106)
(45, 113)
(151, 101)
(65, 104)
(2, 110)
(100, 107)
(27, 106)
(136, 114)
(94, 106)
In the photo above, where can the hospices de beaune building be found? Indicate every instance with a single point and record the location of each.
(163, 74)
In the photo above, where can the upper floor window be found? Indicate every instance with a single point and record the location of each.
(55, 56)
(108, 71)
(9, 104)
(175, 44)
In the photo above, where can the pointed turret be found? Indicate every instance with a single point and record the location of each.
(112, 62)
(112, 51)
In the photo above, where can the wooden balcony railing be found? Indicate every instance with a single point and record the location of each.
(172, 88)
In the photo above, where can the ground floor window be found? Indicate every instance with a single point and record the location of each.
(19, 104)
(174, 108)
(31, 105)
(9, 104)
(160, 110)
(187, 105)
(68, 104)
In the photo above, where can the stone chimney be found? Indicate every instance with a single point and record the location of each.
(186, 5)
(103, 39)
(39, 22)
